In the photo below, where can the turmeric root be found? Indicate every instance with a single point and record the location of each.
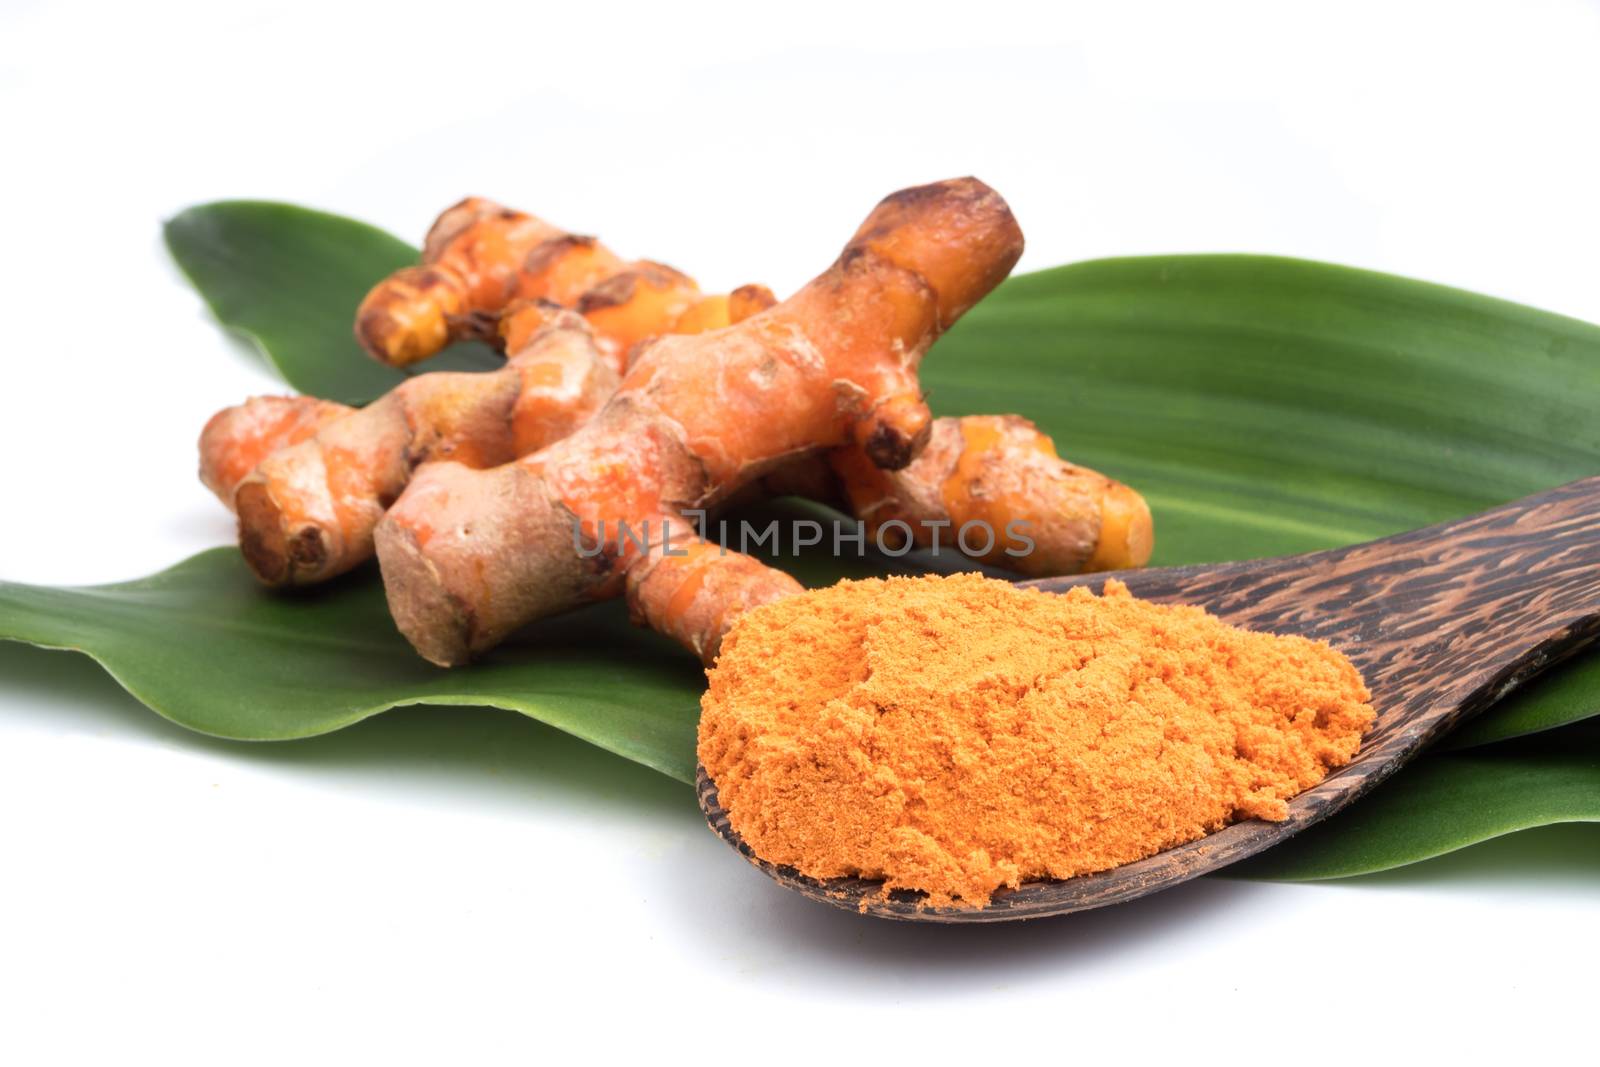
(745, 301)
(990, 487)
(562, 269)
(307, 512)
(987, 486)
(999, 477)
(719, 310)
(705, 314)
(469, 555)
(636, 305)
(471, 266)
(237, 439)
(990, 470)
(479, 257)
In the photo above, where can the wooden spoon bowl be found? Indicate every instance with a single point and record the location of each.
(1441, 622)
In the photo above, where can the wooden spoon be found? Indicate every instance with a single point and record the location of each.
(1441, 621)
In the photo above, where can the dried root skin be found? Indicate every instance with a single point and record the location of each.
(470, 555)
(696, 418)
(471, 268)
(307, 512)
(237, 439)
(523, 319)
(748, 300)
(694, 594)
(704, 315)
(896, 432)
(563, 382)
(561, 269)
(296, 533)
(635, 305)
(481, 258)
(998, 470)
(958, 236)
(720, 310)
(476, 553)
(1127, 532)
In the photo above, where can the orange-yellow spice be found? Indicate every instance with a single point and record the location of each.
(960, 734)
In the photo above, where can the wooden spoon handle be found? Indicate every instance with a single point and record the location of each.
(1461, 613)
(1449, 617)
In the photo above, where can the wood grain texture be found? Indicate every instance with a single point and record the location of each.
(1441, 622)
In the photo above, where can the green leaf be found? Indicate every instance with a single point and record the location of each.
(1264, 406)
(290, 279)
(206, 646)
(1269, 405)
(1446, 802)
(1567, 694)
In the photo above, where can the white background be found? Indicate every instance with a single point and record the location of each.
(466, 886)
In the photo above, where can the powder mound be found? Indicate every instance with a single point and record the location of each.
(961, 734)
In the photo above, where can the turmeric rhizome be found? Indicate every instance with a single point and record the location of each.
(960, 734)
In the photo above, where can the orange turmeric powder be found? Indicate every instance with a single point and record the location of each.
(958, 735)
